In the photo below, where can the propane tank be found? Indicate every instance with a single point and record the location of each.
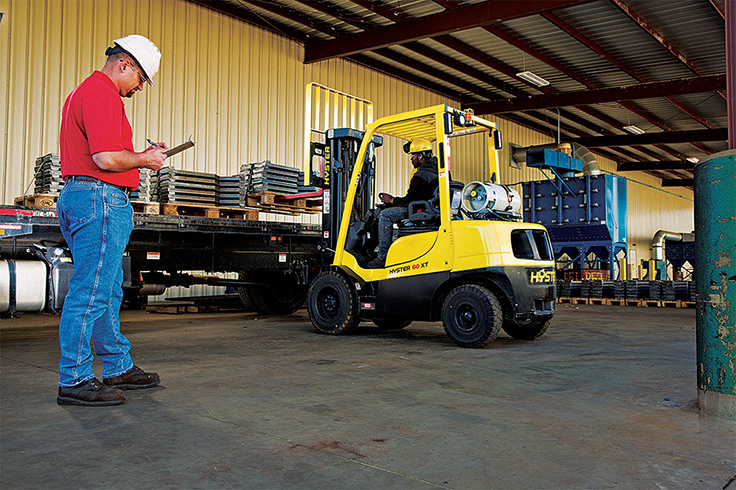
(485, 197)
(22, 286)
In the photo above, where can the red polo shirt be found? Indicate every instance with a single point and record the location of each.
(93, 120)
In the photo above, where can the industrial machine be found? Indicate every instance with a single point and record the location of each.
(585, 215)
(478, 269)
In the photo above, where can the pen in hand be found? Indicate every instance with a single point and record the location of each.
(152, 143)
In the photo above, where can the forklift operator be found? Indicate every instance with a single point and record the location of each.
(422, 187)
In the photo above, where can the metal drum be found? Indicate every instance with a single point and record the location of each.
(715, 276)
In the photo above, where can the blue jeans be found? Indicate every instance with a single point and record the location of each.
(96, 220)
(386, 221)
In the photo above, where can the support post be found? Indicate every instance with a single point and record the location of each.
(715, 277)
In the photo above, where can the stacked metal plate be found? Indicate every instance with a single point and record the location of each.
(48, 174)
(169, 185)
(655, 290)
(304, 188)
(608, 289)
(637, 289)
(228, 191)
(142, 192)
(592, 289)
(267, 177)
(619, 290)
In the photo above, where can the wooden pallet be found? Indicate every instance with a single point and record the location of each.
(579, 301)
(596, 301)
(649, 303)
(687, 304)
(37, 200)
(143, 207)
(614, 302)
(275, 203)
(180, 308)
(631, 302)
(671, 304)
(564, 301)
(172, 209)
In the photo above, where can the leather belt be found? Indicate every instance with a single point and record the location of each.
(87, 178)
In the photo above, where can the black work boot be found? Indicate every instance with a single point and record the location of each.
(90, 393)
(133, 379)
(376, 263)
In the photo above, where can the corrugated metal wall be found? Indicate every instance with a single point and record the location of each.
(237, 89)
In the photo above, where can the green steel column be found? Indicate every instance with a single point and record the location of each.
(715, 276)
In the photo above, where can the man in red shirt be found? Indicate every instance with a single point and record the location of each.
(100, 167)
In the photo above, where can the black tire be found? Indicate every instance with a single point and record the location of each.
(244, 294)
(332, 304)
(281, 295)
(472, 316)
(390, 323)
(531, 331)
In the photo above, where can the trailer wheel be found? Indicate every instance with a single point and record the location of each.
(280, 294)
(244, 294)
(390, 323)
(527, 332)
(472, 316)
(332, 304)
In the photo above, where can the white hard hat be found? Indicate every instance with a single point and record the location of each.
(144, 52)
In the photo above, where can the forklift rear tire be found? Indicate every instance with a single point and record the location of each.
(527, 332)
(472, 316)
(390, 323)
(332, 304)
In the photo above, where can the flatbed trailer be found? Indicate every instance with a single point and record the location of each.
(272, 259)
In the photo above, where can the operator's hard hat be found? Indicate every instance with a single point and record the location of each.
(419, 145)
(143, 51)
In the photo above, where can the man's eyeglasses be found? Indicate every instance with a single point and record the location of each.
(141, 78)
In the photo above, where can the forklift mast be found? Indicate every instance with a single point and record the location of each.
(339, 152)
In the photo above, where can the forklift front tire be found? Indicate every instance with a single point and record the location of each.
(332, 304)
(472, 316)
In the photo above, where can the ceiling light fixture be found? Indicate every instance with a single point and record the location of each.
(634, 129)
(532, 78)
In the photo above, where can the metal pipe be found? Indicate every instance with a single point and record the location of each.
(658, 242)
(590, 164)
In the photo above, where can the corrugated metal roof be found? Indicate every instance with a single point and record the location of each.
(577, 48)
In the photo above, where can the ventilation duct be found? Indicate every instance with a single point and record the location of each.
(590, 164)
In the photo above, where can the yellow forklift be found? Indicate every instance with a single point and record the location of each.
(463, 258)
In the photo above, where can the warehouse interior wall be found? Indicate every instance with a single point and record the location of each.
(239, 91)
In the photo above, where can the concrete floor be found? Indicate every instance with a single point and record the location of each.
(606, 399)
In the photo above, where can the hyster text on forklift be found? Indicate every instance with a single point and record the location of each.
(462, 258)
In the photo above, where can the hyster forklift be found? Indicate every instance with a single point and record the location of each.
(463, 258)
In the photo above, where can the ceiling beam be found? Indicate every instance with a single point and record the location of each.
(647, 90)
(677, 182)
(590, 44)
(670, 165)
(665, 137)
(375, 7)
(249, 16)
(382, 67)
(474, 15)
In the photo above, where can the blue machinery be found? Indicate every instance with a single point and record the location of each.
(585, 216)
